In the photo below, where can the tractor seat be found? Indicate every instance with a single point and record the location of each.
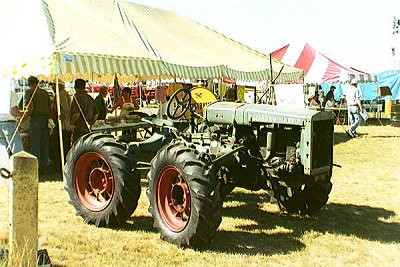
(158, 122)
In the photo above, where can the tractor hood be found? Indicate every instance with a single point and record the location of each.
(245, 114)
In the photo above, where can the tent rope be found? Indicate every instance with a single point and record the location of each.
(82, 114)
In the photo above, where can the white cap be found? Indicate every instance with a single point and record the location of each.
(354, 81)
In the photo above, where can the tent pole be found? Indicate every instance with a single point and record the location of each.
(60, 136)
(271, 89)
(160, 104)
(220, 96)
(270, 67)
(140, 92)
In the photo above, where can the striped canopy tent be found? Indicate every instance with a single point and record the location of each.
(97, 39)
(317, 67)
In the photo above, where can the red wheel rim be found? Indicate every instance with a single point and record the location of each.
(94, 181)
(173, 198)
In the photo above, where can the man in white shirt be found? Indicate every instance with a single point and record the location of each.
(353, 96)
(10, 139)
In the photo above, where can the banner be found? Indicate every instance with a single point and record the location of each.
(290, 95)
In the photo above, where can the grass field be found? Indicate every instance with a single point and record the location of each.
(360, 225)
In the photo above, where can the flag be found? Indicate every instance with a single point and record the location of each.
(117, 89)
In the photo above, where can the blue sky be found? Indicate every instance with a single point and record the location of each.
(353, 32)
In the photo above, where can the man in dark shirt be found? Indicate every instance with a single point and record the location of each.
(38, 102)
(84, 111)
(100, 103)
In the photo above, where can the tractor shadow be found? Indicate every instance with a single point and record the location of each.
(378, 122)
(339, 138)
(52, 176)
(135, 223)
(249, 240)
(276, 232)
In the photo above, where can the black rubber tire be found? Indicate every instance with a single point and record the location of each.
(205, 201)
(225, 190)
(306, 201)
(126, 181)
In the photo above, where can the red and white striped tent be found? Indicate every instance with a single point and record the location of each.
(317, 67)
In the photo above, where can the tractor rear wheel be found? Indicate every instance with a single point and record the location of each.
(184, 196)
(305, 200)
(100, 180)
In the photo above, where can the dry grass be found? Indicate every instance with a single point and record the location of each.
(360, 225)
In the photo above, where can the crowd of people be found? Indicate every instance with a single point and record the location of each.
(320, 100)
(37, 114)
(350, 100)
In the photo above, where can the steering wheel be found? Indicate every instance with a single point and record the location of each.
(179, 103)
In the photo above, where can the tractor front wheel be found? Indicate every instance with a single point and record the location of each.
(305, 200)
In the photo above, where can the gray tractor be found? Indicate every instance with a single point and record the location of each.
(192, 164)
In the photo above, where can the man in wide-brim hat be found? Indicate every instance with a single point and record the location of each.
(354, 107)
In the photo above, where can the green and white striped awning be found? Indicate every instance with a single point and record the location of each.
(98, 39)
(70, 66)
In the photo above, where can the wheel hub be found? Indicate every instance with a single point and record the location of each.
(98, 180)
(179, 195)
(173, 199)
(94, 181)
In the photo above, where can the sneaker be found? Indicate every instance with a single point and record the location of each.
(349, 133)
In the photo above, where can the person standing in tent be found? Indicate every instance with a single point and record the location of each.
(126, 102)
(101, 103)
(65, 108)
(83, 111)
(353, 96)
(39, 105)
(231, 93)
(329, 100)
(321, 96)
(314, 101)
(161, 98)
(10, 139)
